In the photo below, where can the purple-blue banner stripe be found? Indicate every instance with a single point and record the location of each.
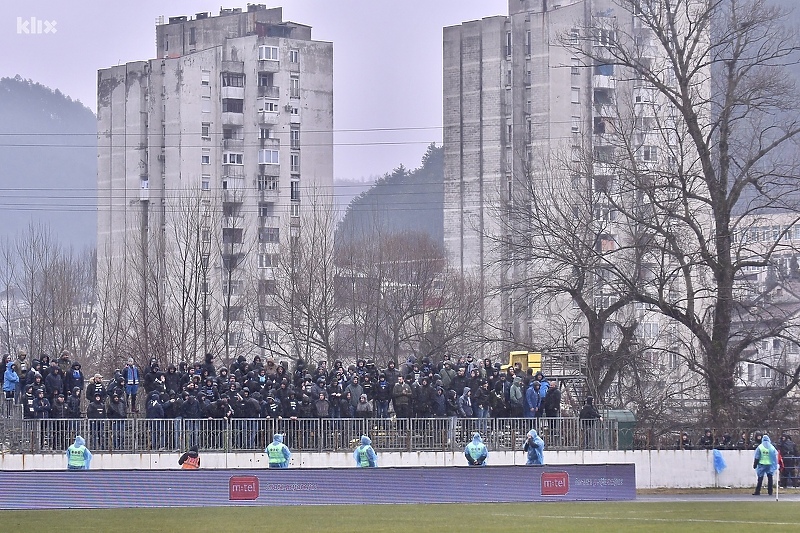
(203, 488)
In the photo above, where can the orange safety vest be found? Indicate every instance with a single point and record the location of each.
(191, 463)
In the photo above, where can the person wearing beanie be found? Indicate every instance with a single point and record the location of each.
(365, 455)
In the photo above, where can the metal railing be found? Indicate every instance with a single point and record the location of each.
(136, 435)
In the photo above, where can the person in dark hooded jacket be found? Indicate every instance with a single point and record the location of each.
(74, 403)
(465, 404)
(155, 416)
(74, 378)
(54, 382)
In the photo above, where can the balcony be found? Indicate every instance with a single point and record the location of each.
(270, 221)
(268, 117)
(604, 82)
(269, 195)
(233, 196)
(233, 92)
(269, 65)
(232, 171)
(270, 143)
(269, 91)
(269, 170)
(232, 119)
(233, 144)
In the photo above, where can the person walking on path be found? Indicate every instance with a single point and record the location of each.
(278, 453)
(765, 462)
(365, 455)
(78, 455)
(190, 460)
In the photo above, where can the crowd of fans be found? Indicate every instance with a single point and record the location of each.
(464, 387)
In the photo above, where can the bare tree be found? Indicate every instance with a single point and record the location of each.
(716, 123)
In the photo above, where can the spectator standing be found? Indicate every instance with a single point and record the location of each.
(401, 394)
(21, 367)
(96, 413)
(552, 402)
(515, 395)
(765, 462)
(365, 455)
(534, 401)
(74, 378)
(10, 383)
(78, 456)
(476, 452)
(534, 447)
(589, 416)
(788, 450)
(95, 387)
(706, 442)
(190, 460)
(465, 404)
(131, 379)
(278, 453)
(383, 393)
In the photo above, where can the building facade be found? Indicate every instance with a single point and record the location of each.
(207, 156)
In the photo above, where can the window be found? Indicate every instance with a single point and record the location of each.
(508, 43)
(574, 35)
(268, 313)
(604, 70)
(294, 87)
(575, 66)
(234, 313)
(232, 235)
(294, 138)
(267, 286)
(268, 53)
(232, 286)
(205, 235)
(264, 133)
(232, 158)
(266, 209)
(204, 286)
(649, 153)
(205, 156)
(294, 55)
(268, 235)
(576, 95)
(295, 190)
(205, 130)
(205, 77)
(205, 182)
(605, 37)
(265, 79)
(192, 37)
(528, 43)
(268, 183)
(166, 42)
(229, 79)
(267, 260)
(205, 104)
(295, 111)
(576, 124)
(232, 105)
(268, 105)
(268, 157)
(294, 211)
(294, 163)
(766, 372)
(234, 338)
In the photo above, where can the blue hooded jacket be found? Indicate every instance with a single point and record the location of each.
(364, 455)
(279, 448)
(768, 469)
(534, 446)
(476, 452)
(87, 455)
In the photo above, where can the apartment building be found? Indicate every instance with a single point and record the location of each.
(207, 157)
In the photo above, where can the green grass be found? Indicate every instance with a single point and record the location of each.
(594, 517)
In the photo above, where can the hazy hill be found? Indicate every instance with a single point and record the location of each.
(48, 162)
(401, 201)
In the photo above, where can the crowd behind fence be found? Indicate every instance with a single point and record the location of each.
(137, 435)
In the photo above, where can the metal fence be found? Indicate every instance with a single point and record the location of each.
(135, 435)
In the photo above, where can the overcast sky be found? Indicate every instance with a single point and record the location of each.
(387, 60)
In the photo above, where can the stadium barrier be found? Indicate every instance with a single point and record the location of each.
(88, 489)
(137, 435)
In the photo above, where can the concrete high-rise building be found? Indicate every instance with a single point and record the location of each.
(208, 157)
(527, 99)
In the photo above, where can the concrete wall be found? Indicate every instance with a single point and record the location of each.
(654, 469)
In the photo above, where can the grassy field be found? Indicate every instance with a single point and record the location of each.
(591, 517)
